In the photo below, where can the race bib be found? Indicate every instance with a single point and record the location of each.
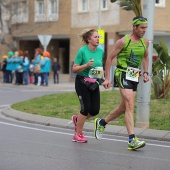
(96, 73)
(132, 74)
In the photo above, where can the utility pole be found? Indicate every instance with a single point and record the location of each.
(99, 15)
(144, 89)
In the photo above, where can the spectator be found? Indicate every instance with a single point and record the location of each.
(31, 72)
(56, 69)
(9, 66)
(45, 64)
(19, 68)
(4, 63)
(25, 64)
(37, 58)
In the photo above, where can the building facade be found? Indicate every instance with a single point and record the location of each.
(64, 20)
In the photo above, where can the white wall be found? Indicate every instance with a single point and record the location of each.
(90, 18)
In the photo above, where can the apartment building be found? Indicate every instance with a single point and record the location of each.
(30, 18)
(64, 20)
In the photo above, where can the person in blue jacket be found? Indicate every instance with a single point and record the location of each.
(15, 65)
(19, 69)
(36, 62)
(25, 65)
(9, 67)
(45, 65)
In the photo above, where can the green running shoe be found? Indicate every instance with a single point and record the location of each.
(136, 144)
(98, 129)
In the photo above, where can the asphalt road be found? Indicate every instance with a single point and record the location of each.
(25, 146)
(33, 147)
(11, 93)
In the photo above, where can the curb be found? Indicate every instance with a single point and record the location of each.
(160, 135)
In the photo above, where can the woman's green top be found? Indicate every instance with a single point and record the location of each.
(83, 56)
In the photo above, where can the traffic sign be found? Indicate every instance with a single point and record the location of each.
(45, 39)
(101, 36)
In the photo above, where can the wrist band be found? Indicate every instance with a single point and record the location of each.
(145, 73)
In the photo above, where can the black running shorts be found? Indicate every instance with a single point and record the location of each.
(121, 81)
(89, 100)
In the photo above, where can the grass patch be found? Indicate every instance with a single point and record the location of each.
(66, 104)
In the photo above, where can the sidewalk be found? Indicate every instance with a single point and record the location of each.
(69, 86)
(89, 126)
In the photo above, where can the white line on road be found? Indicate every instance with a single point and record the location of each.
(50, 131)
(1, 106)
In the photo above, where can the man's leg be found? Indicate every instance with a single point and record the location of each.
(126, 106)
(57, 77)
(100, 123)
(128, 97)
(115, 112)
(54, 76)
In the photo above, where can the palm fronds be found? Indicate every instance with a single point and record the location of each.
(161, 71)
(130, 5)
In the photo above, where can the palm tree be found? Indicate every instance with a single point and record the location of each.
(161, 71)
(130, 5)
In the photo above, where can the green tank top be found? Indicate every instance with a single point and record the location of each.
(131, 54)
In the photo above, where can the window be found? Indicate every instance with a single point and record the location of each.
(53, 6)
(39, 10)
(160, 3)
(14, 13)
(46, 10)
(104, 4)
(52, 10)
(23, 11)
(19, 12)
(83, 5)
(41, 7)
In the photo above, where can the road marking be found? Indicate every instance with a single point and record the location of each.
(51, 131)
(1, 106)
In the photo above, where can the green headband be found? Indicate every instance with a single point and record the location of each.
(139, 21)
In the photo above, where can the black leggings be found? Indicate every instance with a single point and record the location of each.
(89, 100)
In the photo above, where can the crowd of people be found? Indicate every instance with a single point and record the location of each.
(18, 68)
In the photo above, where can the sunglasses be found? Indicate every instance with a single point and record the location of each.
(140, 19)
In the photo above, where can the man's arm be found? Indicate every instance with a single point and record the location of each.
(145, 62)
(116, 49)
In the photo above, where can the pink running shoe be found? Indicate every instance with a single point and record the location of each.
(79, 138)
(74, 119)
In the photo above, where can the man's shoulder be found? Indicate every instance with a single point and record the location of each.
(146, 40)
(121, 42)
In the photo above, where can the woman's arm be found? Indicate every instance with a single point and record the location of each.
(78, 68)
